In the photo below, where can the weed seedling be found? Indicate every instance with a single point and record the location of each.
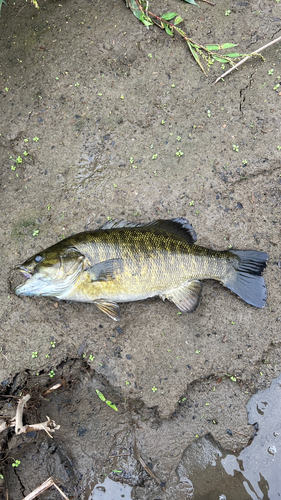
(154, 389)
(34, 354)
(16, 463)
(51, 373)
(235, 148)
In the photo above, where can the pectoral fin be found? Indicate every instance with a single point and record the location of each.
(110, 308)
(105, 271)
(186, 297)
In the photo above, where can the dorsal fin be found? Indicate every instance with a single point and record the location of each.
(178, 227)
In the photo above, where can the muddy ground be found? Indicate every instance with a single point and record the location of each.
(91, 95)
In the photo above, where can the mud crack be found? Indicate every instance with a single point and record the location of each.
(243, 93)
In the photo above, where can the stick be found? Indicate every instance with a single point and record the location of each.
(21, 404)
(53, 388)
(44, 486)
(248, 57)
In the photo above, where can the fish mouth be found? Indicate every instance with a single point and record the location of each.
(24, 271)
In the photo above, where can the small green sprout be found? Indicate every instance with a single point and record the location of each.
(244, 162)
(197, 351)
(149, 55)
(227, 12)
(270, 72)
(16, 463)
(76, 84)
(19, 160)
(276, 86)
(53, 344)
(47, 355)
(163, 122)
(83, 355)
(6, 88)
(1, 476)
(99, 94)
(151, 146)
(25, 140)
(178, 138)
(35, 139)
(207, 404)
(91, 357)
(131, 160)
(233, 379)
(117, 471)
(127, 383)
(191, 203)
(154, 156)
(279, 148)
(115, 185)
(109, 403)
(209, 113)
(57, 78)
(154, 389)
(34, 354)
(13, 167)
(36, 232)
(51, 373)
(173, 85)
(233, 322)
(25, 153)
(122, 97)
(179, 153)
(235, 148)
(109, 218)
(48, 207)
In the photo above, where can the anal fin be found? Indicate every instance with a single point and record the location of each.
(187, 296)
(108, 307)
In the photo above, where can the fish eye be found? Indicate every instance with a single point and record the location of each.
(38, 258)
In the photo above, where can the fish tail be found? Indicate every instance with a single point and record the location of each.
(245, 278)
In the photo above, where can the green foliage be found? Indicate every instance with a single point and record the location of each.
(169, 22)
(109, 403)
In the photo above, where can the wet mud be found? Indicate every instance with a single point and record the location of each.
(88, 97)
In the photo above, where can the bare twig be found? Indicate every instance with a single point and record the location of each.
(21, 404)
(48, 426)
(45, 486)
(53, 388)
(248, 57)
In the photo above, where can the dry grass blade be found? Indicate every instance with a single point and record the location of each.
(45, 486)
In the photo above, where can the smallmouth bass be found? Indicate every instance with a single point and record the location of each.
(124, 262)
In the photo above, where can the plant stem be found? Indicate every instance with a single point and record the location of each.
(248, 57)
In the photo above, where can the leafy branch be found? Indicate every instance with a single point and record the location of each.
(169, 22)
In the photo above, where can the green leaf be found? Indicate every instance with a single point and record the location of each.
(111, 405)
(1, 2)
(146, 20)
(192, 2)
(228, 45)
(178, 20)
(169, 16)
(234, 54)
(100, 395)
(220, 59)
(168, 30)
(195, 55)
(213, 47)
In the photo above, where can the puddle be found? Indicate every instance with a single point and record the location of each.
(111, 490)
(255, 472)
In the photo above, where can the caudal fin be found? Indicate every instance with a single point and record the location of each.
(246, 280)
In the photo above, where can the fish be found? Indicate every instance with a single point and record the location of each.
(124, 261)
